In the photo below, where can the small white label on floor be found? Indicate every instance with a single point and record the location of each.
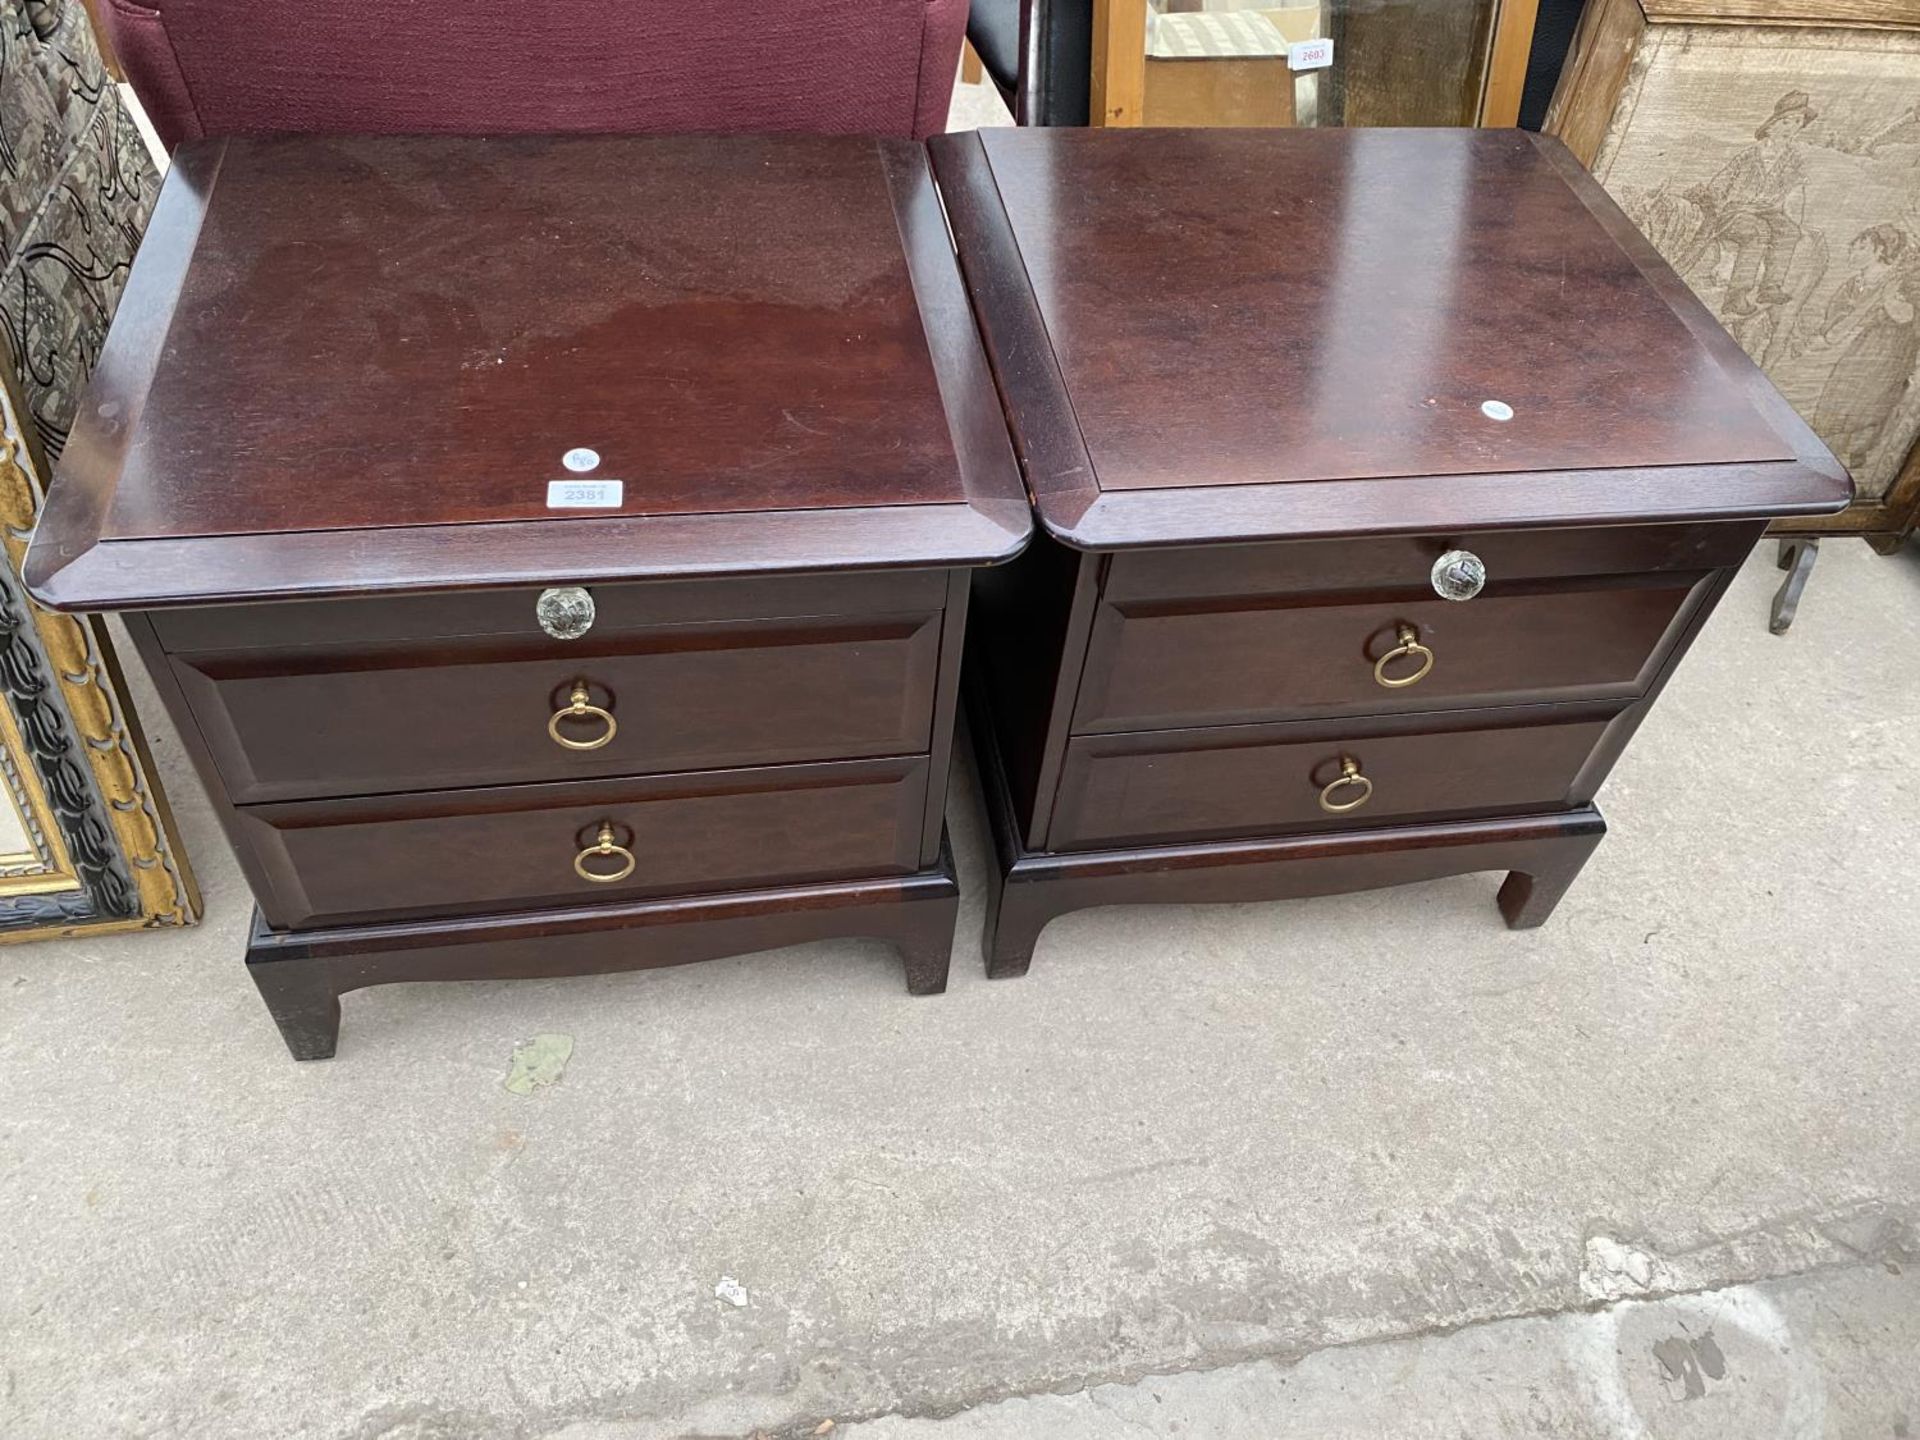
(585, 494)
(1310, 54)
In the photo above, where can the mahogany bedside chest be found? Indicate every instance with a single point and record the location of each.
(1384, 477)
(554, 552)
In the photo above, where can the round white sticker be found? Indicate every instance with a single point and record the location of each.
(581, 460)
(1496, 409)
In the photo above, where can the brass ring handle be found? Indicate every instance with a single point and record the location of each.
(604, 846)
(577, 708)
(1408, 648)
(1349, 777)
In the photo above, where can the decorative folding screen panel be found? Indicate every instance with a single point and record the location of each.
(85, 838)
(1776, 166)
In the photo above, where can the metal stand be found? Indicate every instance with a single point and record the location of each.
(1797, 554)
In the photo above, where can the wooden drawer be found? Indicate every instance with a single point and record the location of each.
(619, 610)
(362, 718)
(1161, 663)
(1253, 780)
(1399, 564)
(471, 851)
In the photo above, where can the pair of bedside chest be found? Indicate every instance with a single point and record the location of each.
(557, 554)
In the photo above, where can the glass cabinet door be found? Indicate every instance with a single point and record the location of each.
(1309, 62)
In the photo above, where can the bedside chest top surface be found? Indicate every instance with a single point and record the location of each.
(401, 342)
(1462, 312)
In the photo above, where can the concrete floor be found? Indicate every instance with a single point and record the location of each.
(1831, 1353)
(1213, 1140)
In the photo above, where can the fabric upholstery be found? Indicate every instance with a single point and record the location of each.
(216, 67)
(76, 187)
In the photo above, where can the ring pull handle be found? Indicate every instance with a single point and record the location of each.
(578, 708)
(1409, 648)
(604, 846)
(1349, 778)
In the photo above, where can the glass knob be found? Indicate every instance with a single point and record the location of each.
(565, 613)
(1459, 575)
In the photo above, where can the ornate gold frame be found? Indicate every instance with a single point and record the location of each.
(111, 858)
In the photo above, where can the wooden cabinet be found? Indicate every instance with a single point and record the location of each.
(1771, 154)
(554, 552)
(1371, 528)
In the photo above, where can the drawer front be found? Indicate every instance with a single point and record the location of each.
(1163, 663)
(473, 851)
(368, 719)
(1247, 781)
(1401, 563)
(510, 613)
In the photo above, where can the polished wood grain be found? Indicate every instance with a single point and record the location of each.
(314, 475)
(457, 852)
(1030, 831)
(1027, 888)
(407, 716)
(1360, 348)
(1152, 403)
(765, 339)
(545, 294)
(1164, 787)
(302, 974)
(282, 849)
(512, 615)
(1403, 563)
(1034, 616)
(1224, 662)
(1243, 374)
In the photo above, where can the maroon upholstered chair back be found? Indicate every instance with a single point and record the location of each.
(221, 67)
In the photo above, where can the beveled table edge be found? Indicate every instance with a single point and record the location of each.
(69, 566)
(1073, 509)
(334, 564)
(1405, 505)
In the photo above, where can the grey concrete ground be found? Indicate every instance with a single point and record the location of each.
(1833, 1354)
(1191, 1138)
